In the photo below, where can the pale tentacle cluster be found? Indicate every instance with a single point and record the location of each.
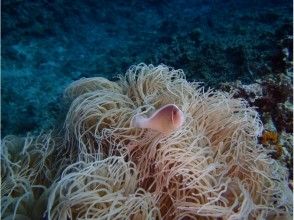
(103, 189)
(210, 168)
(28, 167)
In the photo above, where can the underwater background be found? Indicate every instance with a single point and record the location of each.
(48, 44)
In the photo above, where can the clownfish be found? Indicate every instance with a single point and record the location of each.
(165, 120)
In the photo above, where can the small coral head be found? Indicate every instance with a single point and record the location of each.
(165, 120)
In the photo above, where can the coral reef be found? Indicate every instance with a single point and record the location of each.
(211, 166)
(272, 96)
(39, 46)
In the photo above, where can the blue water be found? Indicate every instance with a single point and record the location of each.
(48, 44)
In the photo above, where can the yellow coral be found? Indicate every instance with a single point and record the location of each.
(269, 137)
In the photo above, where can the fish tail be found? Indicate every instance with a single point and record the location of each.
(138, 121)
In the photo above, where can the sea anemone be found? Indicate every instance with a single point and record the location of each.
(101, 189)
(210, 166)
(148, 146)
(28, 167)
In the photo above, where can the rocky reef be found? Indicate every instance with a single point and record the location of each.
(48, 44)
